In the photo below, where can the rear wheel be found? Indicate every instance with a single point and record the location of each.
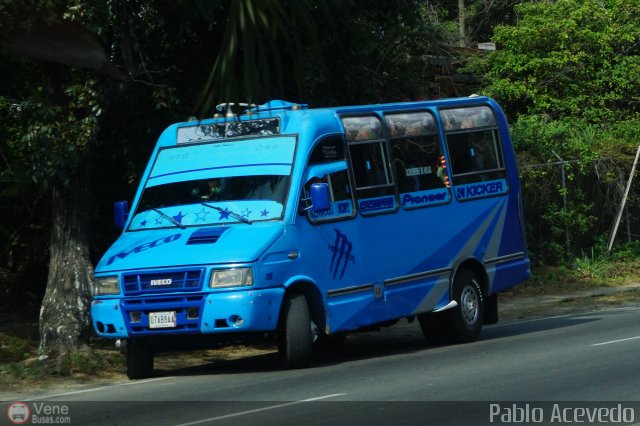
(465, 320)
(460, 324)
(295, 337)
(139, 359)
(433, 326)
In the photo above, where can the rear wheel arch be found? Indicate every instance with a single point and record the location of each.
(475, 266)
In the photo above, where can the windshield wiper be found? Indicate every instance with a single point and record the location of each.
(229, 212)
(169, 218)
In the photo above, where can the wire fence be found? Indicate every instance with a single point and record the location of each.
(572, 205)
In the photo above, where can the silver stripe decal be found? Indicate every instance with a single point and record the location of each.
(494, 243)
(474, 240)
(430, 301)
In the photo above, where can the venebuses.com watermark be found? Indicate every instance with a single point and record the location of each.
(354, 413)
(20, 413)
(561, 413)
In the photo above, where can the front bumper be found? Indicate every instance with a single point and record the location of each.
(201, 313)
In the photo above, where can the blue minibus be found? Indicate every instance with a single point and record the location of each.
(303, 224)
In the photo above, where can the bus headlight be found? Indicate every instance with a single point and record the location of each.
(236, 277)
(106, 285)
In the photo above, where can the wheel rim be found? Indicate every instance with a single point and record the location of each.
(469, 305)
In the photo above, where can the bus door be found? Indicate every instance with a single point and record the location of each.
(333, 238)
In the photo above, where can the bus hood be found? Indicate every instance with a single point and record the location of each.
(166, 248)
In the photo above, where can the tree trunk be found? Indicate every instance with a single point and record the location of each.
(462, 11)
(64, 315)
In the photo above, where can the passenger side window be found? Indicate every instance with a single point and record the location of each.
(330, 153)
(420, 167)
(475, 151)
(374, 187)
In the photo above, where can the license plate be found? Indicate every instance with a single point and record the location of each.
(162, 319)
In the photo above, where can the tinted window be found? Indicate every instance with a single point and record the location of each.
(362, 128)
(370, 164)
(474, 149)
(420, 167)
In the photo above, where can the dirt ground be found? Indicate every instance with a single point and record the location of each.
(515, 307)
(512, 308)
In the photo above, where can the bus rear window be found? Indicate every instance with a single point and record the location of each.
(467, 118)
(474, 146)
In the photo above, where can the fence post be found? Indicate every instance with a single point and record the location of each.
(612, 237)
(564, 200)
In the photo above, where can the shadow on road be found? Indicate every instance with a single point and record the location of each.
(402, 339)
(540, 324)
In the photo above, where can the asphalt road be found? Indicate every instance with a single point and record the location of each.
(582, 362)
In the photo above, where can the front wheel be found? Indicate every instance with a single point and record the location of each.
(139, 359)
(465, 320)
(295, 337)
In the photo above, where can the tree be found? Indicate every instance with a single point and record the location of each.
(71, 126)
(58, 116)
(475, 19)
(567, 58)
(375, 53)
(369, 51)
(60, 112)
(568, 75)
(261, 38)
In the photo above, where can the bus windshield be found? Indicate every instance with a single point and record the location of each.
(217, 183)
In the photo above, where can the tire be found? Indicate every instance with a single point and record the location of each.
(433, 326)
(295, 338)
(139, 359)
(464, 322)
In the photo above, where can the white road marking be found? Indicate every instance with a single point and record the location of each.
(616, 341)
(77, 392)
(258, 410)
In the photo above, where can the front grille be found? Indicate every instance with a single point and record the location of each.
(188, 311)
(162, 282)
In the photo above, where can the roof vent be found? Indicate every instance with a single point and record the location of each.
(206, 236)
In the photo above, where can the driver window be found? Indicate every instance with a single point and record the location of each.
(330, 150)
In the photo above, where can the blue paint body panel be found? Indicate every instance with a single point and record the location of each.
(363, 261)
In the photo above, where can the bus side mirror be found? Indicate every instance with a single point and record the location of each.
(320, 199)
(120, 213)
